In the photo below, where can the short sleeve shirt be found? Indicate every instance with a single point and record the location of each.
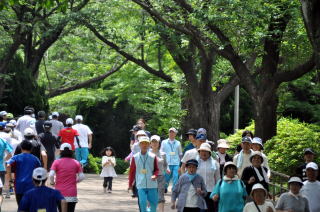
(25, 163)
(83, 131)
(40, 199)
(190, 154)
(68, 135)
(66, 176)
(4, 147)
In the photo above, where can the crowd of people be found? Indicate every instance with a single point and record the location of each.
(214, 181)
(37, 157)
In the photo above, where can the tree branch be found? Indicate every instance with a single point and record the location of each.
(86, 83)
(227, 88)
(128, 56)
(299, 71)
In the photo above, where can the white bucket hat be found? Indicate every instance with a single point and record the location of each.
(155, 137)
(223, 143)
(144, 139)
(257, 187)
(254, 153)
(205, 147)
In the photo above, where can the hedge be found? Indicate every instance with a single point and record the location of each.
(285, 150)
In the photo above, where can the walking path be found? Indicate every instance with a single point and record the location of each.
(92, 198)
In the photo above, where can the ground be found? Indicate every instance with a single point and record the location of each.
(92, 198)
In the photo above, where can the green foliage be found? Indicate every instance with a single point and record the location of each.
(22, 89)
(285, 150)
(121, 166)
(235, 139)
(94, 165)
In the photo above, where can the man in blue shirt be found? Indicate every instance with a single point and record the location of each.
(4, 148)
(173, 150)
(24, 164)
(42, 198)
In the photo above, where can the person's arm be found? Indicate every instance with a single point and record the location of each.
(132, 173)
(217, 176)
(64, 206)
(156, 169)
(51, 176)
(113, 161)
(44, 158)
(180, 151)
(90, 140)
(80, 177)
(175, 194)
(183, 168)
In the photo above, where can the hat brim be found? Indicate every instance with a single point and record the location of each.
(251, 157)
(194, 164)
(265, 191)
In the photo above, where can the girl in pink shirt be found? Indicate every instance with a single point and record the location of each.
(68, 173)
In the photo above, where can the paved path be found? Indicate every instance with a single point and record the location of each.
(92, 198)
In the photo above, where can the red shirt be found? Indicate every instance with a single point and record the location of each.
(67, 135)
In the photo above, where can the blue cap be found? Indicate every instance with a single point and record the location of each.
(201, 137)
(3, 124)
(192, 162)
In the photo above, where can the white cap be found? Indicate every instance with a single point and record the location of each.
(28, 131)
(55, 114)
(254, 153)
(222, 143)
(144, 139)
(258, 186)
(40, 174)
(69, 121)
(65, 145)
(295, 180)
(3, 113)
(257, 140)
(78, 117)
(174, 130)
(141, 132)
(205, 147)
(155, 137)
(312, 165)
(14, 122)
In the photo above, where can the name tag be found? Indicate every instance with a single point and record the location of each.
(143, 171)
(172, 153)
(42, 210)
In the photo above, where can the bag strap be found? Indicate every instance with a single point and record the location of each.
(257, 206)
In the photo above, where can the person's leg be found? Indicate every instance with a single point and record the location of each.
(168, 176)
(84, 156)
(78, 154)
(105, 184)
(175, 175)
(152, 197)
(161, 187)
(191, 209)
(71, 206)
(210, 203)
(110, 183)
(142, 198)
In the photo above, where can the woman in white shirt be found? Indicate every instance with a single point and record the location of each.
(259, 204)
(209, 170)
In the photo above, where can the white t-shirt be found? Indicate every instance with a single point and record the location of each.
(192, 198)
(250, 207)
(83, 131)
(311, 190)
(25, 122)
(209, 175)
(190, 154)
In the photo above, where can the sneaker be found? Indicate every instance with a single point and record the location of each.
(109, 191)
(7, 196)
(165, 190)
(104, 190)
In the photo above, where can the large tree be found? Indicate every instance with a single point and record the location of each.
(35, 27)
(258, 38)
(194, 58)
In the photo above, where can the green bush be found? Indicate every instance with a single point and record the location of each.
(285, 150)
(94, 165)
(121, 166)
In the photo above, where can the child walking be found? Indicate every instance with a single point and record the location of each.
(144, 170)
(108, 164)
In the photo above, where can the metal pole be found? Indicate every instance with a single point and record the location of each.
(236, 109)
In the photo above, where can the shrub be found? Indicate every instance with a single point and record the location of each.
(94, 165)
(285, 150)
(121, 166)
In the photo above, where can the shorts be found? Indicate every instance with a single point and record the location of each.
(161, 187)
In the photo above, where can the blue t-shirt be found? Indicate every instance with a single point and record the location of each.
(24, 163)
(4, 146)
(40, 198)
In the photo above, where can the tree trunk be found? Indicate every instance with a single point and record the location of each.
(205, 113)
(265, 117)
